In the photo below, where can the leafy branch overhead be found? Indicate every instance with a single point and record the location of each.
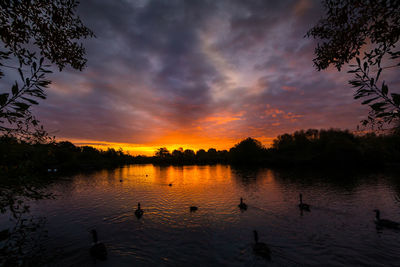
(369, 32)
(31, 32)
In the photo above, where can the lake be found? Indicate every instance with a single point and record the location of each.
(339, 230)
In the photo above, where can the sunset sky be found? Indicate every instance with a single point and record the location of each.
(196, 74)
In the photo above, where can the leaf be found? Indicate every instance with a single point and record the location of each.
(22, 106)
(14, 89)
(379, 73)
(385, 89)
(21, 74)
(378, 106)
(384, 114)
(396, 99)
(3, 99)
(355, 83)
(358, 61)
(44, 83)
(369, 100)
(30, 100)
(15, 114)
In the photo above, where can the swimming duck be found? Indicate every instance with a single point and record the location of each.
(261, 248)
(385, 223)
(193, 208)
(303, 206)
(98, 249)
(139, 211)
(242, 205)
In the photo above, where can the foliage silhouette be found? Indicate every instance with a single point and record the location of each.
(22, 158)
(248, 151)
(48, 29)
(302, 148)
(335, 147)
(352, 27)
(310, 147)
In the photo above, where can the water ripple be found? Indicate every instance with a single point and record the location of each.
(339, 230)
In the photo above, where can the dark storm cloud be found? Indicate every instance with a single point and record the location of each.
(158, 66)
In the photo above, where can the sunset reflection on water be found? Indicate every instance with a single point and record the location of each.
(339, 229)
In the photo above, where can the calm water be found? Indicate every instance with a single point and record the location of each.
(339, 230)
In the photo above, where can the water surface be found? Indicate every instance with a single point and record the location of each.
(339, 230)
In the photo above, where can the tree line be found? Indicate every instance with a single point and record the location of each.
(20, 157)
(301, 148)
(310, 147)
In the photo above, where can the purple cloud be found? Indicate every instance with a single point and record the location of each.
(229, 69)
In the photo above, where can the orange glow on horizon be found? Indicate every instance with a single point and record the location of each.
(171, 142)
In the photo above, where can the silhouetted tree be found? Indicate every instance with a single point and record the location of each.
(162, 153)
(177, 155)
(201, 156)
(334, 146)
(248, 151)
(223, 156)
(189, 156)
(212, 155)
(371, 26)
(284, 141)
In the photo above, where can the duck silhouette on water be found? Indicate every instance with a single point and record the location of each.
(303, 206)
(139, 212)
(384, 223)
(242, 205)
(98, 249)
(260, 248)
(193, 208)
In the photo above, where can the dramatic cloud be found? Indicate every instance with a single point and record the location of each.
(196, 74)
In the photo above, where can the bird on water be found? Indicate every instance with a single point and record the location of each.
(193, 208)
(303, 206)
(98, 249)
(139, 211)
(384, 222)
(242, 205)
(260, 248)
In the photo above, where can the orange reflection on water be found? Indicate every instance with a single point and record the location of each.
(106, 200)
(216, 187)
